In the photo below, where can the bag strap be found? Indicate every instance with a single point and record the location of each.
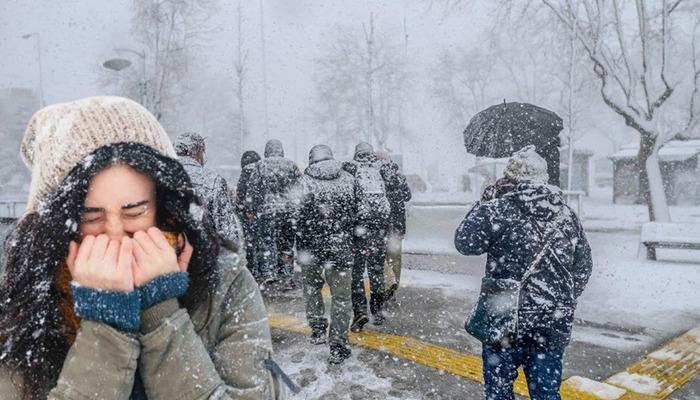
(531, 269)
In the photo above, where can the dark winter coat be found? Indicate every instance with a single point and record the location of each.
(273, 178)
(326, 216)
(212, 190)
(398, 194)
(511, 230)
(246, 192)
(374, 222)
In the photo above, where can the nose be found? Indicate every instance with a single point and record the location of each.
(114, 228)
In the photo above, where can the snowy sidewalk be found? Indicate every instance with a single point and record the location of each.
(430, 228)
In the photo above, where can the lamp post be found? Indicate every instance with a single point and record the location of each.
(118, 64)
(38, 57)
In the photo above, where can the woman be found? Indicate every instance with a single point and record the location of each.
(109, 250)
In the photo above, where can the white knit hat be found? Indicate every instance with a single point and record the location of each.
(526, 165)
(60, 135)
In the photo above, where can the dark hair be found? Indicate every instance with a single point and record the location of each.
(33, 334)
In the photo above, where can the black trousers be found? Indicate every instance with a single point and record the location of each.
(370, 252)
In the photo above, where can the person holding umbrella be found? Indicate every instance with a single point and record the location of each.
(502, 129)
(538, 264)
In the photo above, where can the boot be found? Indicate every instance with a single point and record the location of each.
(318, 336)
(390, 292)
(378, 318)
(339, 353)
(359, 322)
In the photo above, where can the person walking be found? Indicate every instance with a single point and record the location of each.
(326, 221)
(274, 176)
(245, 192)
(538, 264)
(112, 288)
(398, 194)
(373, 212)
(211, 189)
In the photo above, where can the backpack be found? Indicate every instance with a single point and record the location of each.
(372, 202)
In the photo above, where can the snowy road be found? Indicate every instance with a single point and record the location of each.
(630, 308)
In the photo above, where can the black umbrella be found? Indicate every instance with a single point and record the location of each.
(500, 130)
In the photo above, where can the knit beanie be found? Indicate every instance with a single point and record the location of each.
(61, 135)
(526, 165)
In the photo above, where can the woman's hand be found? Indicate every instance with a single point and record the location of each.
(184, 260)
(101, 263)
(154, 256)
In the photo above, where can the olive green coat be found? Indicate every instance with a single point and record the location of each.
(178, 355)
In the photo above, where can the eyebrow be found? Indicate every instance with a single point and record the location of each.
(124, 207)
(133, 205)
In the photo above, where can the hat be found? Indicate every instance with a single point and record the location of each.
(189, 143)
(526, 165)
(273, 148)
(363, 148)
(61, 135)
(320, 152)
(249, 157)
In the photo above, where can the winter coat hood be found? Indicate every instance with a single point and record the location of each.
(363, 148)
(541, 201)
(325, 170)
(320, 152)
(274, 148)
(365, 157)
(249, 157)
(189, 144)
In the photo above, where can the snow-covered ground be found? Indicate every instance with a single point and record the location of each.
(660, 296)
(430, 227)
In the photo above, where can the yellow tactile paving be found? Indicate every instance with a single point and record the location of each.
(654, 377)
(663, 371)
(438, 357)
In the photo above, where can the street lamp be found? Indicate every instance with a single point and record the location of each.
(38, 57)
(118, 64)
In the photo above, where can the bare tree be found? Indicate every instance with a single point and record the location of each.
(636, 51)
(512, 63)
(166, 32)
(463, 82)
(359, 79)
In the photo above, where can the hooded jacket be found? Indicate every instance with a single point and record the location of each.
(510, 230)
(398, 193)
(212, 190)
(326, 216)
(273, 177)
(244, 190)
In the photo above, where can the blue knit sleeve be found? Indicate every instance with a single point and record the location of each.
(117, 309)
(162, 288)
